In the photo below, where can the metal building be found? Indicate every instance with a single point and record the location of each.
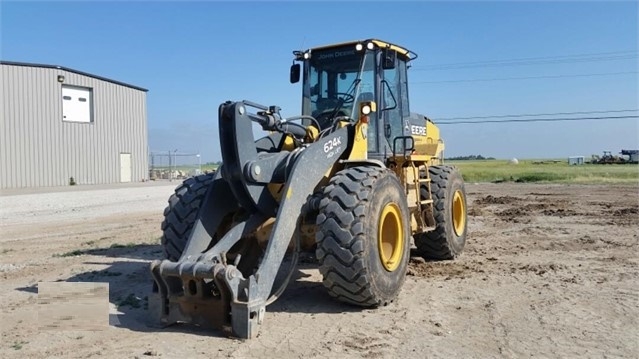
(576, 160)
(59, 123)
(633, 155)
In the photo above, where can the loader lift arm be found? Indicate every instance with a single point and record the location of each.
(202, 287)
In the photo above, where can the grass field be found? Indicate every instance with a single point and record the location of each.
(531, 171)
(545, 171)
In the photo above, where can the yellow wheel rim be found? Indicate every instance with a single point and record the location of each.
(391, 237)
(459, 213)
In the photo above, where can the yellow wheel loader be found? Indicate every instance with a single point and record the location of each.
(357, 178)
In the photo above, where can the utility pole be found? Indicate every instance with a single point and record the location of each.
(172, 170)
(199, 164)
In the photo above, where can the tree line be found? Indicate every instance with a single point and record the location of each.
(469, 158)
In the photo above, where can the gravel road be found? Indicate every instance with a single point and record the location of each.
(83, 204)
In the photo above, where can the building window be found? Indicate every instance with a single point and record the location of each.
(77, 104)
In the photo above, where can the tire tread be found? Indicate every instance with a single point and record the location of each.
(341, 236)
(435, 244)
(181, 213)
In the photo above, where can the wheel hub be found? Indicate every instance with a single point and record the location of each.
(459, 213)
(390, 237)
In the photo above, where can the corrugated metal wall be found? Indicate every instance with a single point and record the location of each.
(38, 149)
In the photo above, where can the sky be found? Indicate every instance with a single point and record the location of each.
(475, 59)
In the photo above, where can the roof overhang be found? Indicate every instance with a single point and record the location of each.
(27, 64)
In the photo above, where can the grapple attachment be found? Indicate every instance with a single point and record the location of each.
(219, 281)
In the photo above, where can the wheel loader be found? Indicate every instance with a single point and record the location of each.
(357, 178)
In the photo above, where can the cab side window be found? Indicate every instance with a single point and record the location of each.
(392, 104)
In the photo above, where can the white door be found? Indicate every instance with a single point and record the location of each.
(125, 167)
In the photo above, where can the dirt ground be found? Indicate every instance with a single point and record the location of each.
(548, 271)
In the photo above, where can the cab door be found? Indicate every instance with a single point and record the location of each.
(392, 108)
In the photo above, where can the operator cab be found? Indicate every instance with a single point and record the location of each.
(337, 79)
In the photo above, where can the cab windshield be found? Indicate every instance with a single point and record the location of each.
(335, 81)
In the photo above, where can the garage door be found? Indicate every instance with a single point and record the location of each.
(76, 104)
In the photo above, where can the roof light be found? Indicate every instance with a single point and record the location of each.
(359, 47)
(366, 109)
(307, 55)
(370, 46)
(298, 55)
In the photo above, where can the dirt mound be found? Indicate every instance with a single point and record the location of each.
(530, 209)
(513, 212)
(418, 267)
(475, 212)
(515, 215)
(626, 211)
(536, 206)
(538, 269)
(627, 216)
(490, 199)
(559, 212)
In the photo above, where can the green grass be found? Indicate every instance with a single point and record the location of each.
(19, 344)
(545, 171)
(557, 171)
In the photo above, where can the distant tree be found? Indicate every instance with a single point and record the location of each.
(469, 158)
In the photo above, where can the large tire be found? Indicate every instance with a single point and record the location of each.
(449, 204)
(363, 238)
(181, 214)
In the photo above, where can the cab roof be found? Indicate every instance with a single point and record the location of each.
(409, 55)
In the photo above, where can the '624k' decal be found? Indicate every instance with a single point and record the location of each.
(332, 147)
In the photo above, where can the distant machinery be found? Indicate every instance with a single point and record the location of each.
(609, 158)
(633, 155)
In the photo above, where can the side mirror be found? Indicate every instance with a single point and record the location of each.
(295, 73)
(388, 59)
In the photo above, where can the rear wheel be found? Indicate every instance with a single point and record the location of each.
(181, 214)
(449, 203)
(363, 238)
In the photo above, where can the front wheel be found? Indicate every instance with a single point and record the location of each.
(363, 238)
(181, 213)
